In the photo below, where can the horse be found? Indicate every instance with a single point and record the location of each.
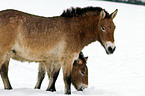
(59, 39)
(79, 74)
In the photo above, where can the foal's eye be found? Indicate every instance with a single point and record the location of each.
(103, 29)
(82, 72)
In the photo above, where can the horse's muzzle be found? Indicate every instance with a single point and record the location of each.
(110, 47)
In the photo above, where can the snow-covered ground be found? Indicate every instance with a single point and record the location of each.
(120, 74)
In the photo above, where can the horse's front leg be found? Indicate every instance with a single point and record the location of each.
(67, 74)
(4, 75)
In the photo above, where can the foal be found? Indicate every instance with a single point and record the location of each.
(57, 39)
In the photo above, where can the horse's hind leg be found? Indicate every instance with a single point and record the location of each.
(41, 75)
(52, 70)
(4, 75)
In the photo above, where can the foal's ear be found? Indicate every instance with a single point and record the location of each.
(86, 58)
(102, 14)
(114, 14)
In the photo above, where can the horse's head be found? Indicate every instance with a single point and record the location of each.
(106, 29)
(80, 73)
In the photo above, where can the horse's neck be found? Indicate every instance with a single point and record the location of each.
(85, 33)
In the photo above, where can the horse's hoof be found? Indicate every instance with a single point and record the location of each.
(68, 92)
(8, 88)
(37, 88)
(51, 89)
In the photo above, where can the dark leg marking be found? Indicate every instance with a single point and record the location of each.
(52, 86)
(68, 81)
(41, 75)
(4, 75)
(40, 79)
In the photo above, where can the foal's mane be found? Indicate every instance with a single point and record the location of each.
(75, 12)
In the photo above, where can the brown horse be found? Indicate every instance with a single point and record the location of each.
(57, 39)
(79, 74)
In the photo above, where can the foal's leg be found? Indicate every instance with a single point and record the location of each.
(41, 75)
(4, 75)
(53, 69)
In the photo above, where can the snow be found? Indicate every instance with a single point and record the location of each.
(119, 74)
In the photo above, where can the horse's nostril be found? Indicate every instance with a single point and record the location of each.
(111, 50)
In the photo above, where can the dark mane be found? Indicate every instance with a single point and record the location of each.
(75, 12)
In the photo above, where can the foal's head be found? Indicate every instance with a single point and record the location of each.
(80, 73)
(106, 29)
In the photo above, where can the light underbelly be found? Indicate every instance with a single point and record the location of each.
(43, 54)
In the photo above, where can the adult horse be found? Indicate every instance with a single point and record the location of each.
(59, 39)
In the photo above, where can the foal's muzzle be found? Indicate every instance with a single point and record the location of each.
(82, 87)
(110, 47)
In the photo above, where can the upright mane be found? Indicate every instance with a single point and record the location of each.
(75, 12)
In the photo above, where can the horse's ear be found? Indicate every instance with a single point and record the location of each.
(102, 14)
(114, 14)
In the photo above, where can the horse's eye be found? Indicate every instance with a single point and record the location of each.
(103, 29)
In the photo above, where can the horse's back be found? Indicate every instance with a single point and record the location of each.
(31, 37)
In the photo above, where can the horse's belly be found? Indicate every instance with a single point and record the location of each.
(36, 54)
